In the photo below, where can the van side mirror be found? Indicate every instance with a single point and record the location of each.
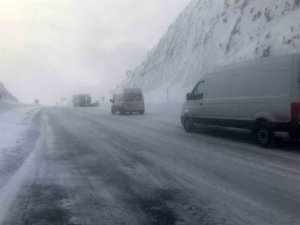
(189, 96)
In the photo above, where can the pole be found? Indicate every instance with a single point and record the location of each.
(167, 94)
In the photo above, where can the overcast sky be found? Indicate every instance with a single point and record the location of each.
(51, 49)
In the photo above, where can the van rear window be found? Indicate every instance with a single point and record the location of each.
(298, 76)
(133, 97)
(118, 97)
(299, 88)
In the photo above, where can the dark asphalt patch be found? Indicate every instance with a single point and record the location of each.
(41, 205)
(155, 207)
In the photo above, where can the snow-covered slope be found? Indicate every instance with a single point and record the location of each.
(211, 33)
(4, 93)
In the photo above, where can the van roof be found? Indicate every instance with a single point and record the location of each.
(280, 62)
(88, 95)
(138, 90)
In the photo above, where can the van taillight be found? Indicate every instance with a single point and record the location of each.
(295, 111)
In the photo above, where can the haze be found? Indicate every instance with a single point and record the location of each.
(53, 49)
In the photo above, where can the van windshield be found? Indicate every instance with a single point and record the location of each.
(133, 97)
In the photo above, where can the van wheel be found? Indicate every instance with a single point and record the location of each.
(188, 125)
(264, 135)
(141, 112)
(294, 137)
(122, 111)
(113, 111)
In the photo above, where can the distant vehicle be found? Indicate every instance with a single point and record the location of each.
(82, 100)
(36, 101)
(262, 95)
(130, 100)
(94, 104)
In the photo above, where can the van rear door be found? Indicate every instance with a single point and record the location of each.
(134, 101)
(298, 78)
(295, 105)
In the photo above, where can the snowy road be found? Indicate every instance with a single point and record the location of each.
(90, 167)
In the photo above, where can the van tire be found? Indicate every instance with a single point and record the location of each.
(113, 111)
(122, 111)
(264, 135)
(293, 136)
(188, 125)
(141, 112)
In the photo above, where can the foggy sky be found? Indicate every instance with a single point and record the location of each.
(50, 49)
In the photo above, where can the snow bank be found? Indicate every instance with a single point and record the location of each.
(7, 105)
(5, 94)
(210, 33)
(166, 99)
(18, 135)
(12, 117)
(167, 108)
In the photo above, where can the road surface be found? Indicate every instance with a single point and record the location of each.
(90, 167)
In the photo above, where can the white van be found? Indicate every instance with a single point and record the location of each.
(262, 95)
(130, 100)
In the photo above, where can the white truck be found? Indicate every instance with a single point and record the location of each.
(82, 100)
(262, 95)
(129, 100)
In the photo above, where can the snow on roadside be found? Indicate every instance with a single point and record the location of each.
(17, 134)
(7, 105)
(166, 100)
(26, 172)
(11, 126)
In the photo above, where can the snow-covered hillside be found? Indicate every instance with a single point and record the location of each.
(5, 95)
(211, 33)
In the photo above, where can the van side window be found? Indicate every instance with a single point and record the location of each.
(259, 84)
(198, 91)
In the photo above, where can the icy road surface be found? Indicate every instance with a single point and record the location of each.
(87, 166)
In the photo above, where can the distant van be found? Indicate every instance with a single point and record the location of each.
(130, 100)
(262, 95)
